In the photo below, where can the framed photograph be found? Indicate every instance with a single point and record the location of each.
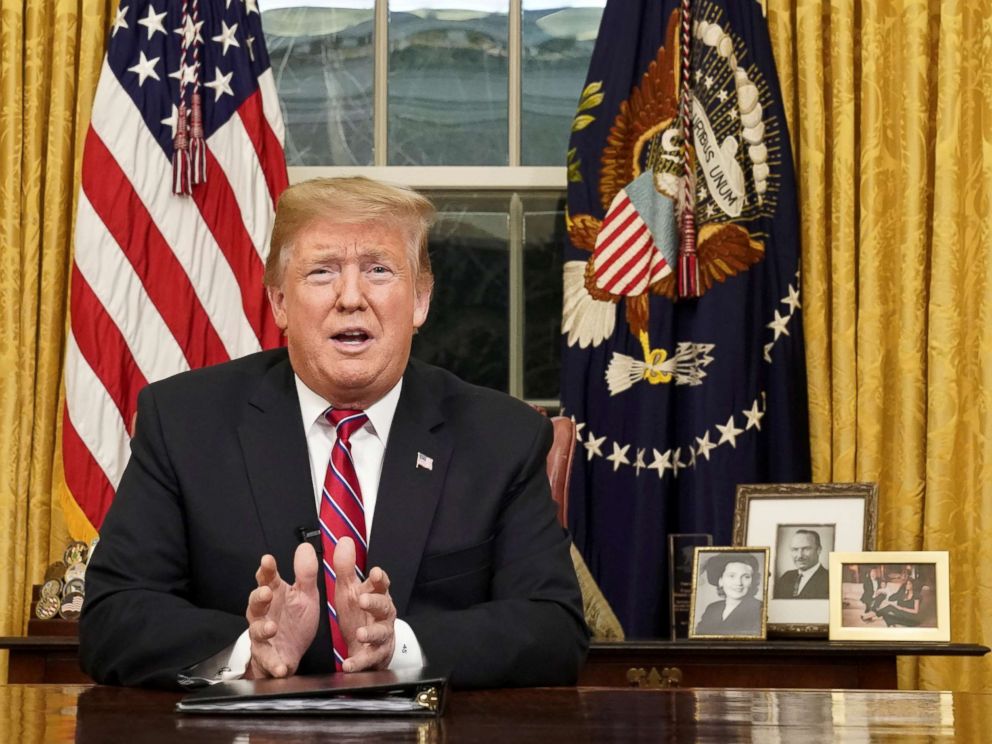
(802, 523)
(729, 593)
(890, 596)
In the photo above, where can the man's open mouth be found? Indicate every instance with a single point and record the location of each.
(351, 337)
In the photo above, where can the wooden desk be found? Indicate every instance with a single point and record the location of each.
(798, 664)
(59, 715)
(768, 664)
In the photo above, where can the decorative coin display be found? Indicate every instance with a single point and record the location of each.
(62, 593)
(48, 607)
(51, 588)
(76, 552)
(55, 571)
(72, 605)
(75, 571)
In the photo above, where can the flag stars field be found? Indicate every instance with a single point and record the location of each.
(145, 68)
(226, 37)
(619, 456)
(119, 21)
(728, 433)
(792, 300)
(779, 324)
(639, 461)
(753, 416)
(153, 21)
(593, 446)
(221, 84)
(672, 459)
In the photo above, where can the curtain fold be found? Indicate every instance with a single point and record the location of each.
(892, 130)
(50, 54)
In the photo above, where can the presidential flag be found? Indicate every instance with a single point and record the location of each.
(182, 167)
(683, 360)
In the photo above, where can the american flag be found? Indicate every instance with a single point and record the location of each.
(165, 282)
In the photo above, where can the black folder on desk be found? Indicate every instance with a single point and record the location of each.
(411, 692)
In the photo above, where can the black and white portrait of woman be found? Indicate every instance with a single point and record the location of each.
(729, 593)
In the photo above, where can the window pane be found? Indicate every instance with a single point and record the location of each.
(467, 329)
(448, 82)
(322, 62)
(557, 44)
(544, 229)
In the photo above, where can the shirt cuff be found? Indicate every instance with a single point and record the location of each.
(227, 664)
(232, 662)
(407, 653)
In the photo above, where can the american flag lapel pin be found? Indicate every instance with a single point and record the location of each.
(425, 462)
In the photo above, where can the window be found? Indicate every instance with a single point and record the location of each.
(469, 101)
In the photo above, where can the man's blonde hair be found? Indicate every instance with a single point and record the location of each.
(353, 200)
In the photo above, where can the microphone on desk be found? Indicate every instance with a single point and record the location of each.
(312, 536)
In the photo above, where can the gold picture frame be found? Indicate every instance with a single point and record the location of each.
(909, 596)
(834, 516)
(747, 620)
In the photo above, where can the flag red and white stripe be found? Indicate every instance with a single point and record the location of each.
(626, 259)
(162, 283)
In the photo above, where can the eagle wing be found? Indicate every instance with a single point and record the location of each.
(649, 110)
(725, 250)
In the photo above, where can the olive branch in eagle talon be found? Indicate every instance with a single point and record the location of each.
(644, 137)
(592, 96)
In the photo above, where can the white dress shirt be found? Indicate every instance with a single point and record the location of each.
(805, 576)
(368, 448)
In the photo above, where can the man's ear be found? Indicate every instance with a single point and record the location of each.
(277, 299)
(422, 304)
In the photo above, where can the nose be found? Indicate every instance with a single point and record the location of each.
(351, 293)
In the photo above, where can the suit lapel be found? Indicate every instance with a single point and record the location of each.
(275, 451)
(408, 491)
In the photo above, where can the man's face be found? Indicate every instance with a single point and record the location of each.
(349, 306)
(805, 554)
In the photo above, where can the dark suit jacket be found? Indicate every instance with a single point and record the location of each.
(868, 595)
(219, 475)
(744, 619)
(818, 586)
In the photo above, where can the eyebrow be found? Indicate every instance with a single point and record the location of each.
(325, 252)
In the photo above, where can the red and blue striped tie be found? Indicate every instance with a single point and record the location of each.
(342, 513)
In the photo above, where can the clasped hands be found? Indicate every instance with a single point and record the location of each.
(283, 618)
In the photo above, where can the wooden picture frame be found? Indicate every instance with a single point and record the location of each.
(792, 519)
(713, 570)
(909, 597)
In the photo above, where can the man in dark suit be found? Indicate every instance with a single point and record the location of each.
(469, 570)
(873, 590)
(808, 580)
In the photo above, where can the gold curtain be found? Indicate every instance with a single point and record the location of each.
(889, 105)
(50, 55)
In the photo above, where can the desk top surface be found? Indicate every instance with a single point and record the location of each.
(59, 714)
(774, 647)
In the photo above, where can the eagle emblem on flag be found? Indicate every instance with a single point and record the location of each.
(649, 176)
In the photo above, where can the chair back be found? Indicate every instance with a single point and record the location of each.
(560, 463)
